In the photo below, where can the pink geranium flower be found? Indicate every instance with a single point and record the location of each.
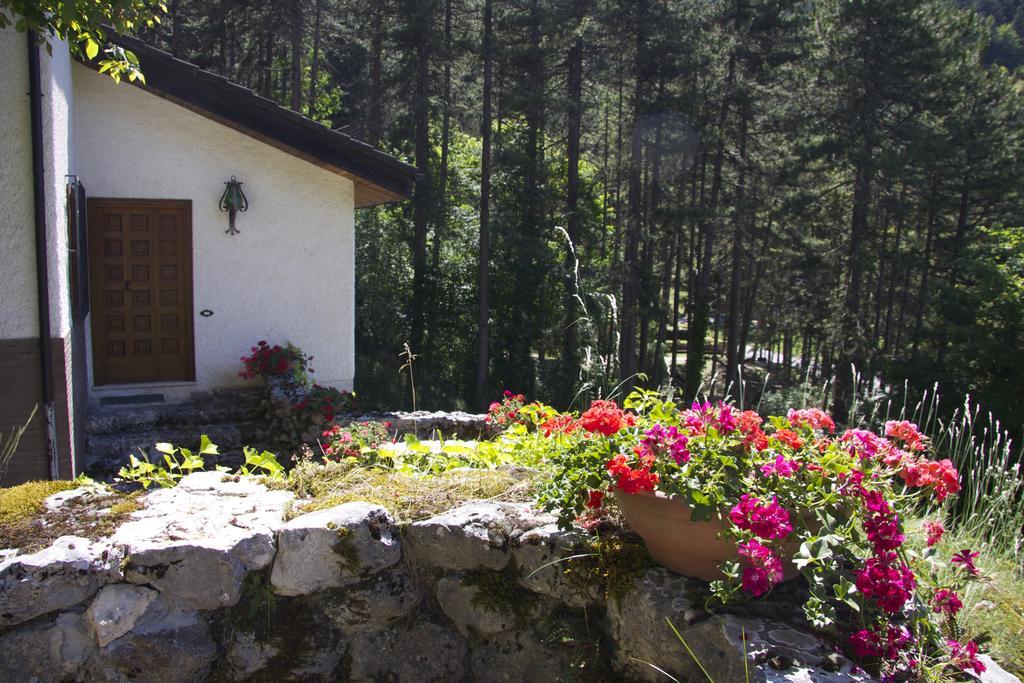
(965, 656)
(766, 520)
(763, 569)
(782, 467)
(934, 530)
(887, 581)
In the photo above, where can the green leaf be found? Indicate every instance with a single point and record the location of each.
(164, 447)
(207, 447)
(92, 48)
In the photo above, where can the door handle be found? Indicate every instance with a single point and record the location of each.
(127, 285)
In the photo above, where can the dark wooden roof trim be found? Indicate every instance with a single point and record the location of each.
(239, 107)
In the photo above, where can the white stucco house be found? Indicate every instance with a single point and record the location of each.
(111, 236)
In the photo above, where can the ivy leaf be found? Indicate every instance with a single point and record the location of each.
(207, 447)
(813, 550)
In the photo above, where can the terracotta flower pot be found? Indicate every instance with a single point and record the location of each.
(680, 544)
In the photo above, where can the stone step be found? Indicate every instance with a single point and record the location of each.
(106, 453)
(216, 407)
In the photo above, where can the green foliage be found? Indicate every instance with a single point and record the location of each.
(610, 566)
(498, 591)
(178, 462)
(81, 24)
(261, 463)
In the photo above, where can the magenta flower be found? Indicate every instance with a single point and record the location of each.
(782, 467)
(766, 520)
(965, 656)
(726, 419)
(887, 581)
(946, 602)
(763, 569)
(965, 560)
(864, 444)
(865, 644)
(658, 441)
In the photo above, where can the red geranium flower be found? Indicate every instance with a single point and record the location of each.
(605, 417)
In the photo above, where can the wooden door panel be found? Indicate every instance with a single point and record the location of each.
(141, 268)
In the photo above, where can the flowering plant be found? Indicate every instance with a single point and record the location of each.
(505, 412)
(786, 484)
(266, 360)
(355, 440)
(327, 403)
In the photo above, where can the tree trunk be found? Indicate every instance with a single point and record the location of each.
(570, 355)
(732, 350)
(422, 200)
(314, 67)
(631, 284)
(375, 123)
(483, 263)
(446, 125)
(296, 61)
(696, 338)
(851, 331)
(926, 266)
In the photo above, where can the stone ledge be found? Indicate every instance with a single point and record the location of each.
(208, 581)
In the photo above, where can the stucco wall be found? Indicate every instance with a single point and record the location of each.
(18, 291)
(17, 237)
(288, 276)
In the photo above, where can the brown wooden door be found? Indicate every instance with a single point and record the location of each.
(140, 269)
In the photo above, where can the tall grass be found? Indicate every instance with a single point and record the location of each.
(990, 506)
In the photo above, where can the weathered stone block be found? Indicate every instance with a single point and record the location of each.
(542, 556)
(166, 646)
(115, 609)
(51, 650)
(461, 603)
(472, 535)
(372, 603)
(332, 548)
(211, 526)
(64, 574)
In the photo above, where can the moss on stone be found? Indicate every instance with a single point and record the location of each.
(346, 549)
(92, 516)
(498, 591)
(407, 498)
(25, 501)
(611, 567)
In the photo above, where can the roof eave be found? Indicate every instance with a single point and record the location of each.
(379, 178)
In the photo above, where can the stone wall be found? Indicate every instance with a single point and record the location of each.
(282, 393)
(208, 582)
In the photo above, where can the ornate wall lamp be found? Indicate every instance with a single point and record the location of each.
(232, 201)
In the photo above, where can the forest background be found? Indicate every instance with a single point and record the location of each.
(725, 195)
